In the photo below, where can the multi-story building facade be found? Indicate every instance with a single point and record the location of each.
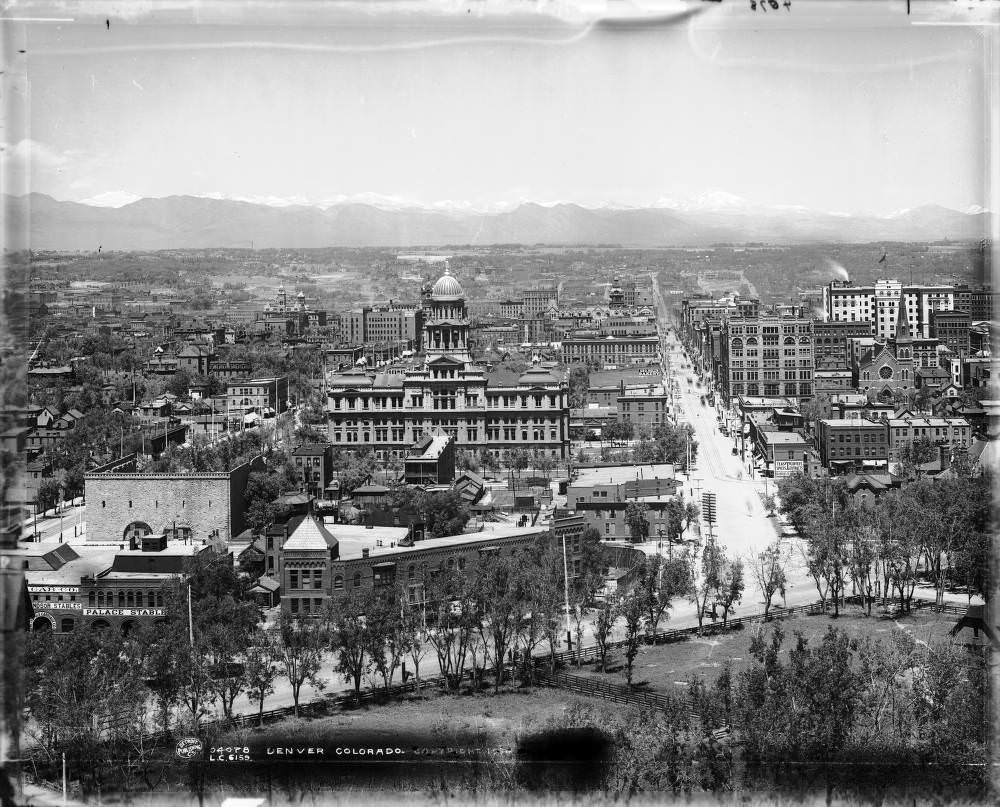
(941, 431)
(699, 308)
(611, 350)
(881, 304)
(383, 324)
(313, 463)
(767, 356)
(847, 445)
(390, 411)
(318, 563)
(644, 407)
(830, 339)
(105, 587)
(538, 301)
(951, 328)
(601, 496)
(258, 395)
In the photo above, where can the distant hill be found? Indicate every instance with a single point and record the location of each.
(188, 222)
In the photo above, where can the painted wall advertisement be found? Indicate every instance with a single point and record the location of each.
(783, 468)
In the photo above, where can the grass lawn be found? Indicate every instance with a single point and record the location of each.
(668, 667)
(492, 719)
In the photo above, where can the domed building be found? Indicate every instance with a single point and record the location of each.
(389, 411)
(446, 326)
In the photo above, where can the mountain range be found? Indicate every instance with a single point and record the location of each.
(191, 222)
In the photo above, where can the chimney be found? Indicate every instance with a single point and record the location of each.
(364, 552)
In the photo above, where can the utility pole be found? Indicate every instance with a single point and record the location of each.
(190, 619)
(569, 633)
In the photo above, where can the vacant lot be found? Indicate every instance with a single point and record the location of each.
(669, 667)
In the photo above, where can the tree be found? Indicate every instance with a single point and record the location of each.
(914, 454)
(453, 622)
(633, 611)
(635, 518)
(355, 621)
(709, 581)
(593, 569)
(547, 598)
(662, 580)
(445, 511)
(768, 569)
(260, 670)
(681, 514)
(730, 587)
(299, 653)
(388, 639)
(48, 495)
(418, 644)
(604, 622)
(503, 590)
(261, 491)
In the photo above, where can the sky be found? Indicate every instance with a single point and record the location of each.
(839, 107)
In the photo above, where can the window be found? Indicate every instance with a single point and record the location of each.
(293, 578)
(338, 583)
(357, 579)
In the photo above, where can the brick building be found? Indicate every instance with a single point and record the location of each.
(940, 431)
(602, 494)
(313, 464)
(767, 356)
(644, 407)
(847, 445)
(831, 341)
(258, 395)
(318, 563)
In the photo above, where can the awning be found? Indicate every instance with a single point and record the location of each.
(383, 565)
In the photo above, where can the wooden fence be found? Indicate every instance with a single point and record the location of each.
(329, 703)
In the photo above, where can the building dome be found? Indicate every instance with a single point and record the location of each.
(447, 287)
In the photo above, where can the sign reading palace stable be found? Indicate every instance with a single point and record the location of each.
(124, 611)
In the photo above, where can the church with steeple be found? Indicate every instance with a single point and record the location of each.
(388, 410)
(888, 368)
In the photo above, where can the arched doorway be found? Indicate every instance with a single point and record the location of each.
(41, 623)
(100, 624)
(136, 530)
(127, 627)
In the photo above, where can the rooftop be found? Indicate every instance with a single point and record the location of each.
(358, 538)
(431, 447)
(310, 534)
(788, 438)
(618, 474)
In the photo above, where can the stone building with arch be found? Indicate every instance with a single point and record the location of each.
(124, 505)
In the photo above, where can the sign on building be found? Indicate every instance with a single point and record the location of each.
(783, 468)
(124, 612)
